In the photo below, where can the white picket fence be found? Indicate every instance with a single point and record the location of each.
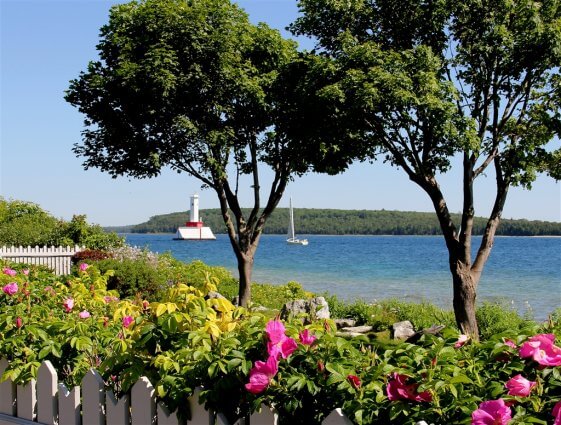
(57, 258)
(45, 401)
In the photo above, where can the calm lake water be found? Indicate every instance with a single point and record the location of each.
(523, 271)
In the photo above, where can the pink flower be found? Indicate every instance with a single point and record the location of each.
(19, 322)
(261, 374)
(397, 389)
(306, 338)
(276, 331)
(284, 348)
(462, 339)
(68, 304)
(127, 320)
(492, 412)
(10, 288)
(84, 314)
(510, 343)
(354, 380)
(541, 349)
(25, 272)
(109, 299)
(279, 344)
(557, 413)
(519, 386)
(9, 271)
(83, 267)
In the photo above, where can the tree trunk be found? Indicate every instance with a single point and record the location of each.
(465, 285)
(245, 268)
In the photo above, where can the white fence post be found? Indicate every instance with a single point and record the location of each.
(47, 407)
(26, 400)
(143, 402)
(93, 399)
(69, 412)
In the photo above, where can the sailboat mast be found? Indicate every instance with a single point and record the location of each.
(291, 227)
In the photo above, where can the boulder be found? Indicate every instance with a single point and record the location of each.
(213, 294)
(314, 308)
(402, 330)
(344, 323)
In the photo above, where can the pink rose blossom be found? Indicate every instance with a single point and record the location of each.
(84, 314)
(519, 386)
(354, 380)
(397, 389)
(306, 338)
(462, 339)
(510, 343)
(25, 272)
(109, 299)
(261, 374)
(541, 349)
(279, 344)
(19, 322)
(83, 267)
(283, 348)
(10, 288)
(276, 331)
(8, 271)
(492, 412)
(68, 304)
(557, 413)
(127, 320)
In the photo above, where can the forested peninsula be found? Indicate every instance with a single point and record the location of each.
(345, 222)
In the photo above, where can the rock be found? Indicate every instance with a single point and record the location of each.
(348, 334)
(314, 308)
(433, 330)
(358, 329)
(402, 330)
(344, 323)
(259, 308)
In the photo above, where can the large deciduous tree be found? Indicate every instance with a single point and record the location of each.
(188, 85)
(423, 82)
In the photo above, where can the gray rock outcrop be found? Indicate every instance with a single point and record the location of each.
(313, 309)
(402, 330)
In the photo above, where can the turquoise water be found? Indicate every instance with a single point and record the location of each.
(522, 271)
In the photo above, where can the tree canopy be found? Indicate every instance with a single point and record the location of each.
(423, 83)
(190, 85)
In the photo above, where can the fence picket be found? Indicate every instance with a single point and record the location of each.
(93, 399)
(266, 416)
(26, 400)
(143, 402)
(68, 405)
(118, 411)
(7, 392)
(165, 417)
(199, 416)
(47, 407)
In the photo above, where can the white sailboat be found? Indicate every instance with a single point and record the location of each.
(292, 239)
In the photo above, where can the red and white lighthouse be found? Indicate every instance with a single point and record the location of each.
(194, 229)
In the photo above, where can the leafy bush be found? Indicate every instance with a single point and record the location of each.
(133, 277)
(494, 318)
(26, 224)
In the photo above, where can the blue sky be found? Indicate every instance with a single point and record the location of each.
(46, 43)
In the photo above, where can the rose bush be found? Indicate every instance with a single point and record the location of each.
(186, 339)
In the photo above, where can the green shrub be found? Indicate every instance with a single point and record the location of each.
(133, 277)
(494, 318)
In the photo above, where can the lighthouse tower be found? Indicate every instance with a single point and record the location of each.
(194, 229)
